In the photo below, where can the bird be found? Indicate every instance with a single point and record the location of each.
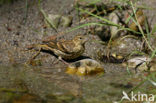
(64, 49)
(68, 49)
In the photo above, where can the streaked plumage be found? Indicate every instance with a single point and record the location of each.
(66, 49)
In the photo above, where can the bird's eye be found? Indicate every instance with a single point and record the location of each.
(80, 38)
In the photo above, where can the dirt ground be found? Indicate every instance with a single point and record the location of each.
(21, 26)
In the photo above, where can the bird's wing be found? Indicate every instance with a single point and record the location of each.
(66, 46)
(49, 39)
(52, 44)
(62, 45)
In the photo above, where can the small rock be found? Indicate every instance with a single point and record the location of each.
(55, 19)
(58, 20)
(66, 21)
(111, 58)
(85, 67)
(152, 65)
(140, 63)
(126, 45)
(113, 29)
(140, 17)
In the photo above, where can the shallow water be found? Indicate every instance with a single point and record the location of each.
(26, 84)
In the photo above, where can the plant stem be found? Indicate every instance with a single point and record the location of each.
(140, 28)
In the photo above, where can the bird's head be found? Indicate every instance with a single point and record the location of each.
(80, 39)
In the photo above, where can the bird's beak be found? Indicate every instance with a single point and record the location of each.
(86, 38)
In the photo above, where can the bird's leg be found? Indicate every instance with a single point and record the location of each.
(38, 52)
(34, 56)
(38, 48)
(60, 59)
(63, 60)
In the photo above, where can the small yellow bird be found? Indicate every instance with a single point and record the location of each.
(66, 49)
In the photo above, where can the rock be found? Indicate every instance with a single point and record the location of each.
(126, 45)
(119, 49)
(55, 19)
(85, 67)
(139, 63)
(113, 29)
(130, 22)
(111, 58)
(152, 65)
(66, 21)
(58, 20)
